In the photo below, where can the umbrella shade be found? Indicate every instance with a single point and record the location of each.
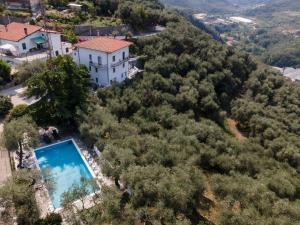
(38, 40)
(8, 47)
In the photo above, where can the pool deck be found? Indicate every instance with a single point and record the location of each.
(42, 196)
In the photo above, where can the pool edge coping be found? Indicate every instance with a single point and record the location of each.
(84, 160)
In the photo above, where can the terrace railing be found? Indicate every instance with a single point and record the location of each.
(121, 61)
(98, 65)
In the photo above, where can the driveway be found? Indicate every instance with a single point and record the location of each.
(17, 94)
(17, 97)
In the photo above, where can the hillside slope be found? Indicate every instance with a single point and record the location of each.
(163, 132)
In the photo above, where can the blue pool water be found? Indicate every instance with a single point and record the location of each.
(65, 165)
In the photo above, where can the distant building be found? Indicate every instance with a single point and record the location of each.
(74, 6)
(106, 59)
(33, 6)
(238, 19)
(17, 39)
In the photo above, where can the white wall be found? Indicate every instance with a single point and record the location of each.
(55, 42)
(81, 56)
(121, 72)
(27, 41)
(105, 74)
(54, 39)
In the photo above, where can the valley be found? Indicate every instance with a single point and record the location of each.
(270, 30)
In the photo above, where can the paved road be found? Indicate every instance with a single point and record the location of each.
(17, 95)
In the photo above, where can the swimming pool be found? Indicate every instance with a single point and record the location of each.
(66, 165)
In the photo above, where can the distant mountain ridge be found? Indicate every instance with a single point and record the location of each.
(276, 6)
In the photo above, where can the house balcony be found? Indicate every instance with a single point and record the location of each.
(98, 65)
(121, 61)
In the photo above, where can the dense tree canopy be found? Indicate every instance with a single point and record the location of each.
(62, 89)
(163, 136)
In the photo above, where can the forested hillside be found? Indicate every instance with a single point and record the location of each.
(165, 140)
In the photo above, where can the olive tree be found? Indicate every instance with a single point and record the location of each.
(19, 133)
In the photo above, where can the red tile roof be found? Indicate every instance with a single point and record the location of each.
(15, 31)
(104, 44)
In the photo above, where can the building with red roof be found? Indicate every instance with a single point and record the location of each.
(106, 58)
(19, 39)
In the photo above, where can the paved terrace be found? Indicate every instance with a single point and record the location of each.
(17, 94)
(31, 56)
(5, 169)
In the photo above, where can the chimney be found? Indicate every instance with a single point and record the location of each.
(6, 29)
(25, 31)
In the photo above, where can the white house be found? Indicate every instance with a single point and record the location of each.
(106, 59)
(19, 39)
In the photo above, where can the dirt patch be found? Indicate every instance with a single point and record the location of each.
(232, 125)
(210, 207)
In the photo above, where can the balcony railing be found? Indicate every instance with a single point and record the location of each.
(121, 61)
(98, 65)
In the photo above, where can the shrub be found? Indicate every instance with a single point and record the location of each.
(26, 70)
(5, 105)
(18, 111)
(282, 186)
(4, 72)
(71, 36)
(51, 219)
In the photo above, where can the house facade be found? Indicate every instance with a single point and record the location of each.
(106, 59)
(19, 39)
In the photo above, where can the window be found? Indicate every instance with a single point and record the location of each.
(90, 57)
(67, 50)
(122, 75)
(96, 70)
(125, 74)
(114, 70)
(123, 65)
(96, 80)
(56, 53)
(90, 68)
(114, 58)
(99, 60)
(24, 46)
(111, 81)
(123, 55)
